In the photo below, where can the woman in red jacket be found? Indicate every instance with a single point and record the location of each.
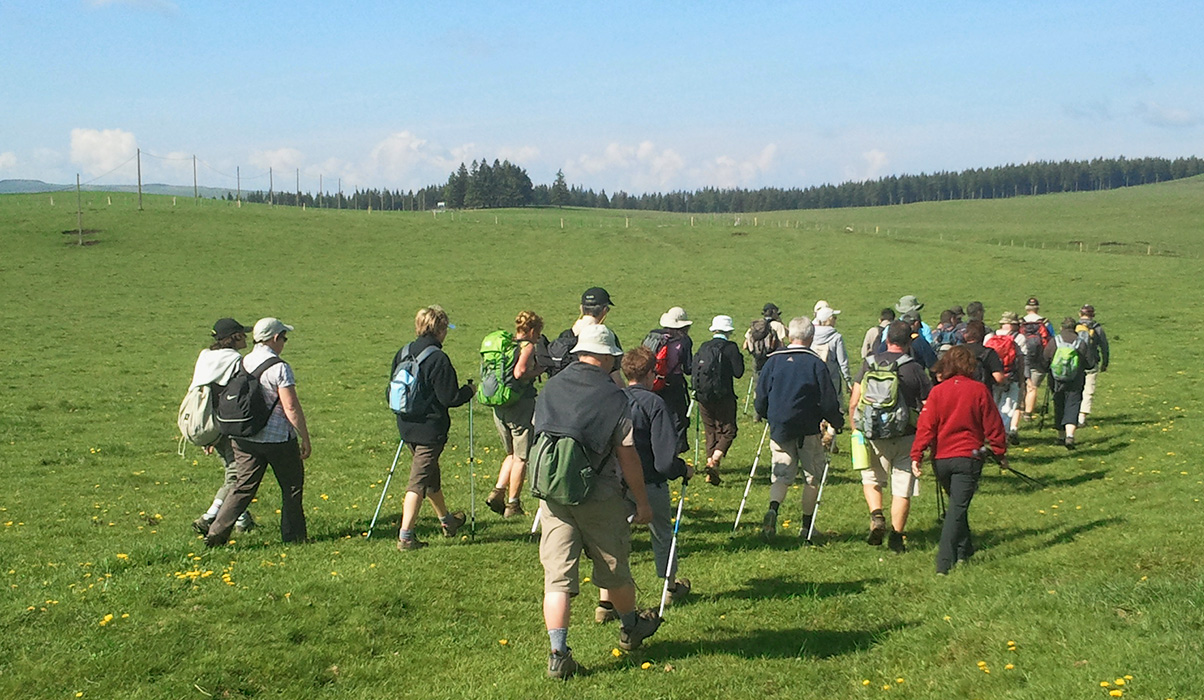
(958, 418)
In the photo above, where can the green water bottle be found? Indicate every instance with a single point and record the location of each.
(861, 451)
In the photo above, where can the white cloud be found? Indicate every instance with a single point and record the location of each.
(726, 172)
(645, 166)
(1159, 115)
(8, 160)
(876, 164)
(98, 152)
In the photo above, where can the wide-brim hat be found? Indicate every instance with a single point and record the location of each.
(1009, 317)
(675, 318)
(722, 324)
(908, 303)
(268, 328)
(597, 340)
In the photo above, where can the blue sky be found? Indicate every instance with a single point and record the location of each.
(631, 96)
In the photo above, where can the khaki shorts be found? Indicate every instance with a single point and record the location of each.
(514, 426)
(425, 475)
(891, 456)
(597, 527)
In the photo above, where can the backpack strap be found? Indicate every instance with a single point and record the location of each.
(268, 363)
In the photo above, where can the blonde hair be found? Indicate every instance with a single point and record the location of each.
(431, 320)
(528, 321)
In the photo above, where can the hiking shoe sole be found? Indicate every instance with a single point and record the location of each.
(563, 666)
(712, 476)
(497, 501)
(877, 534)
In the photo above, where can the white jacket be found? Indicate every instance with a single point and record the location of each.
(215, 366)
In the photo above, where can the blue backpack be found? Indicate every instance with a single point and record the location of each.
(404, 396)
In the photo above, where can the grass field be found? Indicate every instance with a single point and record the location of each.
(1095, 578)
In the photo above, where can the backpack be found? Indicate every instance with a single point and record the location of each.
(560, 352)
(709, 385)
(403, 393)
(881, 411)
(560, 470)
(499, 355)
(1036, 338)
(945, 337)
(240, 410)
(1005, 347)
(659, 344)
(762, 341)
(1066, 365)
(196, 421)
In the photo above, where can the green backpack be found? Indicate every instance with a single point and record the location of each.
(499, 353)
(1066, 365)
(882, 412)
(560, 470)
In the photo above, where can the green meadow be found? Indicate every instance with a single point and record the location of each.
(105, 591)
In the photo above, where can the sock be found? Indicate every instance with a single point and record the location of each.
(773, 505)
(629, 619)
(213, 509)
(513, 501)
(559, 638)
(406, 535)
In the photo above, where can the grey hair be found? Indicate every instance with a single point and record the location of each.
(801, 330)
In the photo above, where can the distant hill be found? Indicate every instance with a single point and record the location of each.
(34, 186)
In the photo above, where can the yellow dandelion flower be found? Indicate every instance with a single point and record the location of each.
(887, 686)
(1119, 681)
(123, 556)
(982, 663)
(615, 652)
(1105, 684)
(1116, 692)
(865, 682)
(898, 680)
(646, 665)
(1127, 676)
(503, 642)
(324, 497)
(1009, 667)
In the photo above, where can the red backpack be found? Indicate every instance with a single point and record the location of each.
(1005, 347)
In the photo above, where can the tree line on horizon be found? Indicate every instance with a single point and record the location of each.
(504, 184)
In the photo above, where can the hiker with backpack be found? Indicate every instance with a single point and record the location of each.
(655, 442)
(673, 350)
(990, 367)
(267, 428)
(584, 452)
(958, 418)
(1007, 345)
(921, 349)
(795, 393)
(508, 363)
(214, 368)
(875, 337)
(829, 345)
(949, 332)
(595, 305)
(910, 304)
(1099, 345)
(421, 405)
(716, 364)
(763, 336)
(1035, 333)
(884, 400)
(1069, 357)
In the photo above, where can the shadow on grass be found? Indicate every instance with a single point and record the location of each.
(1002, 543)
(777, 588)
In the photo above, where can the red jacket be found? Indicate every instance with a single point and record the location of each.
(958, 418)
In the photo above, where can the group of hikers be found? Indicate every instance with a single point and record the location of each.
(600, 441)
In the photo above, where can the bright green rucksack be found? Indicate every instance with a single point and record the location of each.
(499, 353)
(560, 470)
(1066, 365)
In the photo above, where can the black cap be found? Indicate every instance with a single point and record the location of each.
(771, 311)
(910, 317)
(226, 327)
(596, 296)
(1032, 301)
(957, 310)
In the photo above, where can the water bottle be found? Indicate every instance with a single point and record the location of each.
(861, 451)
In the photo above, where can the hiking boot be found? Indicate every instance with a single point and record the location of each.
(896, 542)
(245, 522)
(562, 666)
(769, 526)
(605, 613)
(681, 589)
(457, 521)
(1014, 438)
(215, 541)
(646, 624)
(1069, 442)
(713, 476)
(877, 530)
(513, 509)
(497, 501)
(201, 526)
(412, 543)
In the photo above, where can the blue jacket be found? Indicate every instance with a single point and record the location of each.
(794, 393)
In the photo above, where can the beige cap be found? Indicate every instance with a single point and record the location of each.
(824, 313)
(268, 328)
(597, 340)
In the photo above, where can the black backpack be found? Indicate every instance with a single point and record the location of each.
(709, 375)
(560, 352)
(240, 410)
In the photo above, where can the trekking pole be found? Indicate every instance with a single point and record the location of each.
(472, 474)
(670, 569)
(1045, 403)
(819, 497)
(748, 394)
(690, 408)
(385, 489)
(535, 524)
(750, 478)
(986, 454)
(697, 426)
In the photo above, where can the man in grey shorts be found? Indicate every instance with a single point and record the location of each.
(582, 402)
